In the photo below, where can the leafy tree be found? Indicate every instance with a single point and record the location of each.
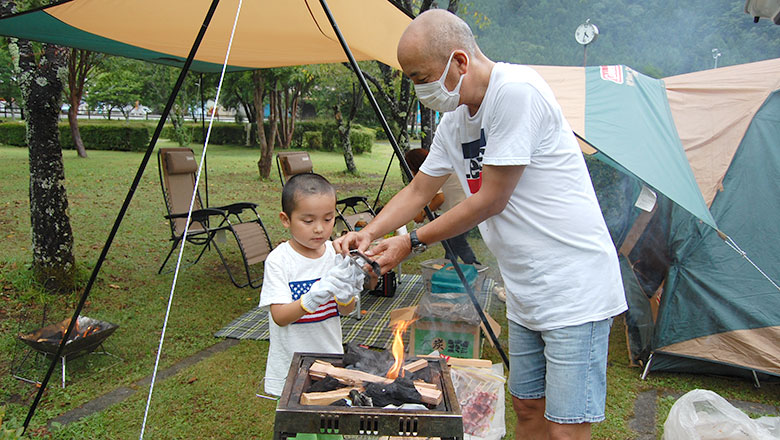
(9, 82)
(41, 92)
(283, 86)
(116, 86)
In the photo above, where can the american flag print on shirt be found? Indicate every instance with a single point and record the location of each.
(323, 312)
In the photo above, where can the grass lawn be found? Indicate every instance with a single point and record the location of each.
(215, 397)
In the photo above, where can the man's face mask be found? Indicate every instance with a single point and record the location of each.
(435, 95)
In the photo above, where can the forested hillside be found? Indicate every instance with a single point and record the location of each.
(657, 37)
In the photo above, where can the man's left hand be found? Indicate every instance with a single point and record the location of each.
(391, 251)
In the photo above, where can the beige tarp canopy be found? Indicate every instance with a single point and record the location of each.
(269, 33)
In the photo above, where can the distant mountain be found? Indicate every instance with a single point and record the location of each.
(657, 37)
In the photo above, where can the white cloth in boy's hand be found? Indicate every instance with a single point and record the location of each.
(322, 291)
(352, 275)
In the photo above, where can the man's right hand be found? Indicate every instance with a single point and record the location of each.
(359, 240)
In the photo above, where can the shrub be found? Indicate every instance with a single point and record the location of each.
(118, 137)
(312, 140)
(362, 139)
(13, 133)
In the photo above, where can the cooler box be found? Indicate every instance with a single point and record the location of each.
(446, 279)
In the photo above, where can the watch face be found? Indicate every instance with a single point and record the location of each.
(585, 33)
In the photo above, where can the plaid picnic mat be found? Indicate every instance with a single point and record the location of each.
(372, 330)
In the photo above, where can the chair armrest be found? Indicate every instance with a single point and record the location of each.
(237, 208)
(199, 214)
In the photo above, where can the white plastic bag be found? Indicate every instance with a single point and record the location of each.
(704, 415)
(480, 392)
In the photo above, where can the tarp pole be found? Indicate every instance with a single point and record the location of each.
(408, 172)
(203, 132)
(123, 209)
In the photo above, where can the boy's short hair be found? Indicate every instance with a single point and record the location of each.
(302, 185)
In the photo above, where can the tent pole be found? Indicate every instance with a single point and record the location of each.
(203, 132)
(384, 179)
(408, 173)
(123, 209)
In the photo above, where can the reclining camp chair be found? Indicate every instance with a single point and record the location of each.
(178, 171)
(352, 213)
(290, 163)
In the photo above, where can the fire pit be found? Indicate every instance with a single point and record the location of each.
(442, 418)
(87, 335)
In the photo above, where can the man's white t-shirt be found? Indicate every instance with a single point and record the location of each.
(287, 276)
(553, 248)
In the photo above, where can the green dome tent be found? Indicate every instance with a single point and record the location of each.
(695, 303)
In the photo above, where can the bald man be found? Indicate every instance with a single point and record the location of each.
(504, 135)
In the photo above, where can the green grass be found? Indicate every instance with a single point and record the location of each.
(214, 398)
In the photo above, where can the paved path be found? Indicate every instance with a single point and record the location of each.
(118, 395)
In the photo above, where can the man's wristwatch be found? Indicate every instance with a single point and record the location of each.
(418, 247)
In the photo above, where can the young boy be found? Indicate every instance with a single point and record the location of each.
(306, 285)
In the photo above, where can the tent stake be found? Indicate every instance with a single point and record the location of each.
(647, 366)
(408, 173)
(123, 209)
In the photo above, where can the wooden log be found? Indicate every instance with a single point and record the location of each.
(326, 397)
(321, 369)
(417, 365)
(429, 396)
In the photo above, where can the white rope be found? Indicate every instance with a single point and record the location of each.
(733, 245)
(187, 225)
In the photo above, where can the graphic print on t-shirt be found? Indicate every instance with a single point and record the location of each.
(472, 154)
(323, 312)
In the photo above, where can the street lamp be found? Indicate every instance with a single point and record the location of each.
(715, 56)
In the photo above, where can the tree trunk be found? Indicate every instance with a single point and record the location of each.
(52, 237)
(427, 121)
(344, 128)
(80, 62)
(266, 142)
(75, 133)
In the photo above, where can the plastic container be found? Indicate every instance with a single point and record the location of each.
(429, 267)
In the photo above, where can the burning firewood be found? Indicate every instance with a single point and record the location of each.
(320, 369)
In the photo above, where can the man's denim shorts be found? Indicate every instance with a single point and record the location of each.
(566, 366)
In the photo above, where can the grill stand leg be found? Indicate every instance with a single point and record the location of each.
(63, 371)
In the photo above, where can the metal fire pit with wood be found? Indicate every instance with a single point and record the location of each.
(293, 415)
(87, 335)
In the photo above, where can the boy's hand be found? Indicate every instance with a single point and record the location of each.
(322, 291)
(345, 271)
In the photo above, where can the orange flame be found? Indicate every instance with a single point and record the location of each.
(398, 350)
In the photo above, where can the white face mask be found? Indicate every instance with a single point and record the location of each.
(435, 95)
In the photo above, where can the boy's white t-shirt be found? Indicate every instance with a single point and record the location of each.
(287, 276)
(553, 248)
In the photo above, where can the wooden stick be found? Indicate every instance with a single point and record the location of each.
(327, 397)
(417, 365)
(459, 362)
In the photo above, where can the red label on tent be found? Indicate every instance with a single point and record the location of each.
(612, 73)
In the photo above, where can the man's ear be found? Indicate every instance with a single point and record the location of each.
(284, 219)
(462, 61)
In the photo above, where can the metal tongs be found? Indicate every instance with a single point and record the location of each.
(360, 260)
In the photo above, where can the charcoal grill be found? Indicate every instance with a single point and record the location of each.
(88, 335)
(444, 421)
